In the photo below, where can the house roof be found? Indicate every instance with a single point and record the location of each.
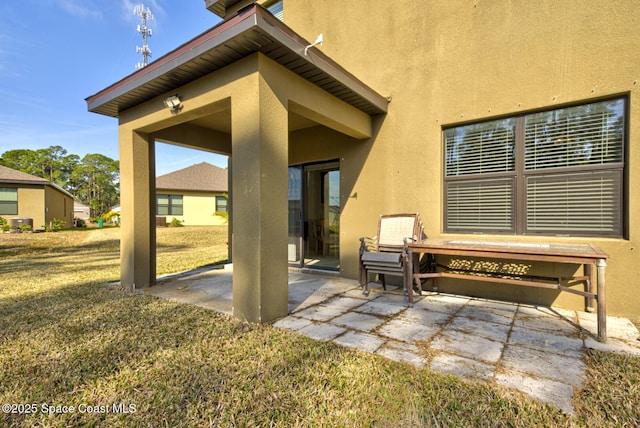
(9, 175)
(253, 29)
(12, 176)
(201, 177)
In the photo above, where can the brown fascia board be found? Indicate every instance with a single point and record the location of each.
(32, 182)
(252, 18)
(163, 65)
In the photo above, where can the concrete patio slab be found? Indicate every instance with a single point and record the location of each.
(543, 341)
(466, 368)
(402, 354)
(549, 365)
(488, 330)
(548, 391)
(533, 349)
(543, 320)
(358, 321)
(322, 332)
(468, 345)
(363, 341)
(380, 308)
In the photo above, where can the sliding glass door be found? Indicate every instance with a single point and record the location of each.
(314, 215)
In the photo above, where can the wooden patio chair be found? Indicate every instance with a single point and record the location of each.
(383, 253)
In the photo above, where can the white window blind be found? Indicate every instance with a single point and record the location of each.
(584, 135)
(8, 200)
(480, 148)
(480, 205)
(581, 203)
(277, 9)
(557, 172)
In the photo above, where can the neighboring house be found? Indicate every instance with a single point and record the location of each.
(81, 211)
(27, 196)
(193, 195)
(495, 120)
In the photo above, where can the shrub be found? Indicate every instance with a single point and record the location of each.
(25, 228)
(54, 225)
(175, 223)
(222, 214)
(78, 222)
(4, 225)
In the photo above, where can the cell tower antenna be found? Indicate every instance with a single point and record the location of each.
(145, 15)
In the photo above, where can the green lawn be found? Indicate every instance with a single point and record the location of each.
(69, 339)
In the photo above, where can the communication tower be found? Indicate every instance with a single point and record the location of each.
(145, 15)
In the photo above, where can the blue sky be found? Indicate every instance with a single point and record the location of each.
(56, 53)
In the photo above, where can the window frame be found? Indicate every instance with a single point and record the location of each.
(9, 203)
(521, 218)
(278, 12)
(218, 206)
(171, 206)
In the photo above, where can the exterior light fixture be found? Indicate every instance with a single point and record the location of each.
(317, 42)
(173, 103)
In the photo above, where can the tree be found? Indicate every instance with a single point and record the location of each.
(96, 178)
(52, 164)
(24, 160)
(93, 180)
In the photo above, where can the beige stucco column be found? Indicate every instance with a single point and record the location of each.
(137, 200)
(259, 124)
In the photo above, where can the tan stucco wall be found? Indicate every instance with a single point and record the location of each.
(449, 62)
(442, 63)
(43, 204)
(57, 205)
(31, 204)
(197, 208)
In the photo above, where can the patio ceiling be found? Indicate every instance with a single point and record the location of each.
(252, 30)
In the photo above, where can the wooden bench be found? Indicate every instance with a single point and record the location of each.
(586, 255)
(384, 253)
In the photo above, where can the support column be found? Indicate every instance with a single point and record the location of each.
(259, 133)
(137, 204)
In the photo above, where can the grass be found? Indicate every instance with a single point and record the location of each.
(69, 339)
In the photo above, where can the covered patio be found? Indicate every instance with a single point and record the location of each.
(239, 89)
(536, 350)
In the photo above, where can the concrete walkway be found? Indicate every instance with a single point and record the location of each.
(536, 350)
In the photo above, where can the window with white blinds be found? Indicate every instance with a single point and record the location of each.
(169, 205)
(8, 201)
(557, 172)
(277, 9)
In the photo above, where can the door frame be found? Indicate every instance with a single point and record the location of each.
(302, 240)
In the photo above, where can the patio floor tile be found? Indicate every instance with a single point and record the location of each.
(534, 349)
(548, 391)
(358, 321)
(561, 368)
(467, 368)
(322, 332)
(362, 341)
(468, 345)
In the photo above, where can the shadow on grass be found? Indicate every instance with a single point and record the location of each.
(100, 345)
(47, 259)
(186, 366)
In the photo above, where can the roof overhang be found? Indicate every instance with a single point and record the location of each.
(38, 183)
(252, 30)
(220, 7)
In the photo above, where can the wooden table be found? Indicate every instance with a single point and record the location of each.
(586, 255)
